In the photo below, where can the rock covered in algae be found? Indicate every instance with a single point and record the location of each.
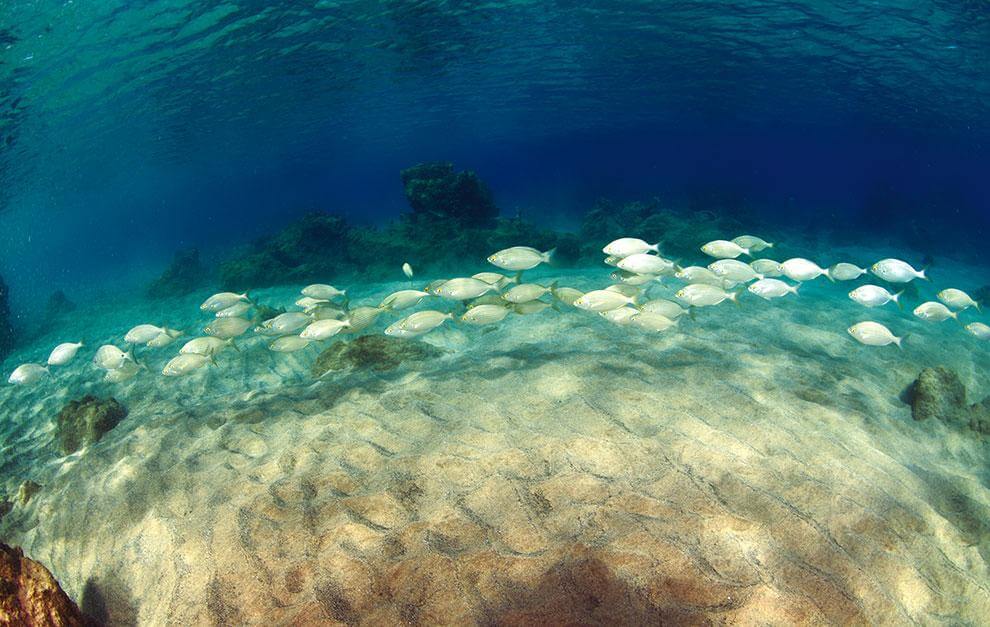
(26, 491)
(183, 276)
(372, 352)
(939, 393)
(85, 420)
(435, 190)
(29, 594)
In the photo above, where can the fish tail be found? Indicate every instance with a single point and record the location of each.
(922, 276)
(978, 306)
(828, 275)
(734, 297)
(654, 247)
(897, 299)
(900, 340)
(548, 256)
(518, 278)
(248, 298)
(213, 360)
(747, 252)
(553, 286)
(794, 289)
(233, 345)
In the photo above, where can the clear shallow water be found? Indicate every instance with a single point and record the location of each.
(750, 465)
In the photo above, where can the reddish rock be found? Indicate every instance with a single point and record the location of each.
(29, 595)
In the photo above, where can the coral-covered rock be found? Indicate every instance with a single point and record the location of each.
(372, 352)
(183, 276)
(7, 337)
(436, 191)
(84, 421)
(29, 594)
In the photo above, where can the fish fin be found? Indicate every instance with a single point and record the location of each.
(555, 305)
(233, 345)
(213, 360)
(734, 297)
(769, 244)
(900, 340)
(795, 288)
(654, 247)
(897, 299)
(746, 252)
(828, 275)
(691, 313)
(922, 276)
(518, 278)
(979, 307)
(248, 298)
(548, 256)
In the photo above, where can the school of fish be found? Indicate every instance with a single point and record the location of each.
(488, 298)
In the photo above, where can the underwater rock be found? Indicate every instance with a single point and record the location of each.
(26, 491)
(183, 276)
(84, 421)
(58, 305)
(7, 337)
(677, 231)
(938, 393)
(378, 353)
(435, 191)
(30, 595)
(313, 247)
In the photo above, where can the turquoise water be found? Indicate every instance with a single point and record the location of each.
(752, 464)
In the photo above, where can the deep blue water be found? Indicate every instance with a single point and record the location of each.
(133, 129)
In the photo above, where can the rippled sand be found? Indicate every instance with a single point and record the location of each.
(753, 466)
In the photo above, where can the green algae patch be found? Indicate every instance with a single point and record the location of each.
(84, 421)
(378, 353)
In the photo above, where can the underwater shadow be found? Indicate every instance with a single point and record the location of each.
(108, 602)
(582, 590)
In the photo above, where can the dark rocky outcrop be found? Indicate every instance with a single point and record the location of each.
(315, 246)
(29, 594)
(436, 191)
(378, 353)
(84, 421)
(183, 276)
(7, 337)
(677, 231)
(938, 393)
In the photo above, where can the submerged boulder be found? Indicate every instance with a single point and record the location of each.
(313, 247)
(84, 421)
(183, 276)
(436, 191)
(30, 595)
(378, 353)
(939, 393)
(6, 324)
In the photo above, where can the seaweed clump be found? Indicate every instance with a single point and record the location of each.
(183, 276)
(938, 393)
(84, 421)
(378, 353)
(677, 231)
(436, 191)
(453, 217)
(314, 246)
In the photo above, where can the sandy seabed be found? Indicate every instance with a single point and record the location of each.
(753, 466)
